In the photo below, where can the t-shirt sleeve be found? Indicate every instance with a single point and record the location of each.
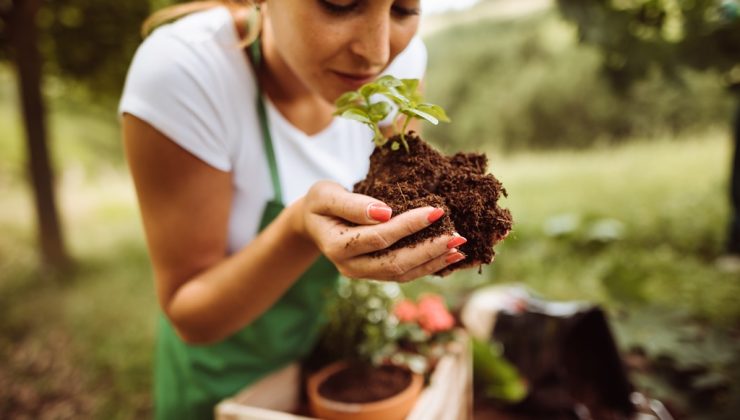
(170, 87)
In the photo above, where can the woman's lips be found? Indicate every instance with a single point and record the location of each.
(355, 80)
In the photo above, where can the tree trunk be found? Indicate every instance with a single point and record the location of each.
(27, 59)
(733, 239)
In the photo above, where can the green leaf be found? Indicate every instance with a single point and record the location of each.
(348, 99)
(371, 89)
(389, 81)
(401, 92)
(435, 110)
(395, 146)
(422, 114)
(397, 97)
(379, 110)
(410, 89)
(357, 115)
(411, 85)
(501, 379)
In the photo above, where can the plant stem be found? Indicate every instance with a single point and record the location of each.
(403, 133)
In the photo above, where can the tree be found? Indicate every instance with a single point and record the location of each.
(636, 36)
(20, 19)
(86, 40)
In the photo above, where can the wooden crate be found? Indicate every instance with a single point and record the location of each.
(449, 395)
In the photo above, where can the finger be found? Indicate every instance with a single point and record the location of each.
(430, 267)
(367, 239)
(398, 262)
(448, 269)
(331, 199)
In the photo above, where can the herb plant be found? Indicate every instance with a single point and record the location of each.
(371, 324)
(403, 93)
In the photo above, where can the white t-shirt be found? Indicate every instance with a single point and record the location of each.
(191, 81)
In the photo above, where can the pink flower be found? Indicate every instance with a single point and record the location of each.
(433, 315)
(406, 311)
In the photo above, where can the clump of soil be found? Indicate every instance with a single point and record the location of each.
(360, 384)
(458, 184)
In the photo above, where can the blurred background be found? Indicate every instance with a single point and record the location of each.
(608, 122)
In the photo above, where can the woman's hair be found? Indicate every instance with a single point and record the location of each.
(174, 12)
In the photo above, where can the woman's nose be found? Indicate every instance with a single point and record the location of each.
(372, 42)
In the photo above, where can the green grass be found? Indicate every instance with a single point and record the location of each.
(668, 197)
(102, 313)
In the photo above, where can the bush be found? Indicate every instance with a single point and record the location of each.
(529, 84)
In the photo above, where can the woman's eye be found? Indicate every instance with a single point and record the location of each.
(406, 11)
(339, 7)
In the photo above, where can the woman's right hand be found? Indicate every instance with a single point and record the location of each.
(323, 216)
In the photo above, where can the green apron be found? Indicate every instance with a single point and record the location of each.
(191, 379)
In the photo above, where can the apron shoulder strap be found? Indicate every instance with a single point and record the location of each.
(256, 56)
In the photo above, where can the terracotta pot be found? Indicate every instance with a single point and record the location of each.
(395, 407)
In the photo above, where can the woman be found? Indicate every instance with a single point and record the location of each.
(242, 175)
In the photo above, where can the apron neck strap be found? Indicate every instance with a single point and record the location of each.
(256, 56)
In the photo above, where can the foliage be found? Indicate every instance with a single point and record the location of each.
(528, 83)
(681, 360)
(88, 41)
(371, 324)
(84, 138)
(497, 377)
(360, 105)
(637, 35)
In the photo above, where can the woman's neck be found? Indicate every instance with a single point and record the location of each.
(302, 107)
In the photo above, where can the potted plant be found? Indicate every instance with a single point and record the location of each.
(406, 172)
(384, 348)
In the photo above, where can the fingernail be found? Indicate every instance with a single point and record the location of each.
(379, 212)
(456, 241)
(435, 215)
(453, 258)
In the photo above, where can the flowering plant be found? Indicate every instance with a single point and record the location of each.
(372, 323)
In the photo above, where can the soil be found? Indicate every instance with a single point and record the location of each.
(458, 184)
(359, 384)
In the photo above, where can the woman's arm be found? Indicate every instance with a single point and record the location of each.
(207, 294)
(185, 207)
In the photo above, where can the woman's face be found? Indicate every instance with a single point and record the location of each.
(332, 46)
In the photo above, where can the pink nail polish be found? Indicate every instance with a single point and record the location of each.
(453, 258)
(435, 215)
(379, 212)
(456, 241)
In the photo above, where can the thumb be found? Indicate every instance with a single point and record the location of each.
(331, 199)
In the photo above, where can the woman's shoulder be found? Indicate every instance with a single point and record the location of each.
(184, 81)
(202, 26)
(201, 41)
(196, 57)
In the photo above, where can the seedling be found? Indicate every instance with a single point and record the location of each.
(403, 93)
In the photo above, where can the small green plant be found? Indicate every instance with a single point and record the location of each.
(371, 324)
(403, 93)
